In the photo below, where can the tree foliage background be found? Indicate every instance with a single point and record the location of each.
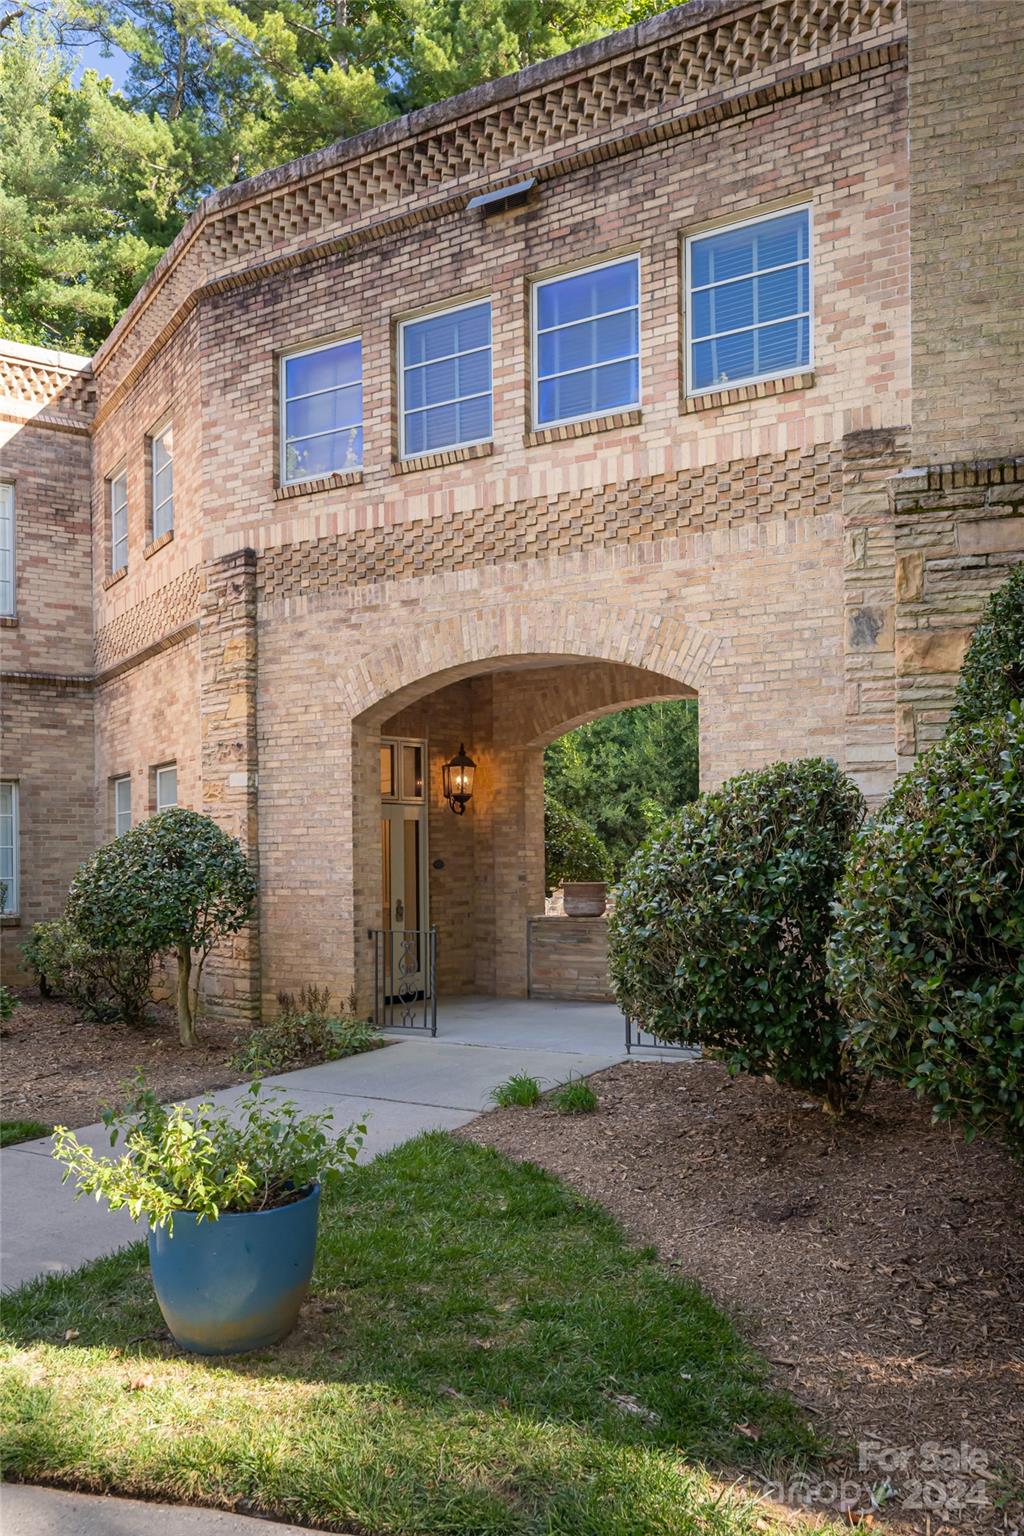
(96, 181)
(624, 774)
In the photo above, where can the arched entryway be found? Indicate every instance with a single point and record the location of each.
(513, 681)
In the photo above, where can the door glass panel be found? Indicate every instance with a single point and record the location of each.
(411, 872)
(412, 772)
(387, 770)
(385, 873)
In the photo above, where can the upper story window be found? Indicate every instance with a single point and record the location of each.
(119, 521)
(9, 870)
(7, 551)
(445, 380)
(167, 787)
(749, 301)
(122, 805)
(322, 411)
(586, 343)
(162, 443)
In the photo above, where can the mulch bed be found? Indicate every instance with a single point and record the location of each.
(877, 1263)
(63, 1069)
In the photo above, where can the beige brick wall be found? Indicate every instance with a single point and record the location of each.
(967, 195)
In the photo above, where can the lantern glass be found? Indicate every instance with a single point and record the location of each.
(457, 780)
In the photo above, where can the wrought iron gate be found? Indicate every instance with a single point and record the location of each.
(638, 1038)
(405, 978)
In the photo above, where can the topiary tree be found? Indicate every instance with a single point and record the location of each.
(992, 678)
(175, 882)
(927, 959)
(571, 850)
(721, 921)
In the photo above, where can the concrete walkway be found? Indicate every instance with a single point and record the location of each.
(27, 1511)
(416, 1084)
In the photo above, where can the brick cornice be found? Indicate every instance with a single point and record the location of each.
(682, 72)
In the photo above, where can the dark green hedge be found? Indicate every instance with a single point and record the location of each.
(722, 919)
(927, 960)
(992, 678)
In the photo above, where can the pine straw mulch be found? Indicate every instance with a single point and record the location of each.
(877, 1263)
(62, 1069)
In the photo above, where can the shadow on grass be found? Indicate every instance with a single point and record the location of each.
(482, 1352)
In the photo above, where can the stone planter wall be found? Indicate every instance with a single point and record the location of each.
(569, 959)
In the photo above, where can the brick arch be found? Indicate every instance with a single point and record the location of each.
(430, 656)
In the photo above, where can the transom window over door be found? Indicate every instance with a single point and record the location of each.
(6, 551)
(322, 412)
(163, 481)
(119, 521)
(749, 302)
(587, 343)
(445, 380)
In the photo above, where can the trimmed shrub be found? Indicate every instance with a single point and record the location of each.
(721, 922)
(105, 985)
(175, 882)
(9, 1001)
(927, 959)
(992, 678)
(306, 1030)
(571, 850)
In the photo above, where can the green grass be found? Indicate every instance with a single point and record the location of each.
(12, 1131)
(483, 1353)
(576, 1097)
(519, 1091)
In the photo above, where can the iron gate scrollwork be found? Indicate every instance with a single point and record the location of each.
(405, 978)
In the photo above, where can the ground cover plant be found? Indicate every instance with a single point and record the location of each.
(927, 958)
(13, 1131)
(576, 1097)
(483, 1353)
(520, 1091)
(721, 923)
(307, 1029)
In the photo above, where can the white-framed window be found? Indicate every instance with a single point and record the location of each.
(322, 411)
(162, 448)
(444, 380)
(10, 872)
(586, 343)
(749, 302)
(122, 805)
(119, 520)
(7, 550)
(167, 787)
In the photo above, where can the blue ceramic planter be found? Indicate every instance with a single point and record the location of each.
(238, 1283)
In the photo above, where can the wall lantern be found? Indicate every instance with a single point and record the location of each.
(457, 780)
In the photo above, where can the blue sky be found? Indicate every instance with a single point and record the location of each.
(90, 56)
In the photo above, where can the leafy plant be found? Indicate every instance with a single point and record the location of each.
(992, 677)
(9, 1001)
(571, 850)
(520, 1091)
(721, 922)
(576, 1097)
(927, 958)
(175, 882)
(305, 1030)
(208, 1161)
(104, 984)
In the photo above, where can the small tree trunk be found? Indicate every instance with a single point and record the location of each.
(186, 1014)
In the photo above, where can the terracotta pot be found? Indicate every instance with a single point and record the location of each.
(585, 898)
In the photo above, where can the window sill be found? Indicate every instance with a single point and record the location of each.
(10, 920)
(571, 429)
(114, 577)
(762, 390)
(8, 621)
(440, 460)
(164, 539)
(320, 483)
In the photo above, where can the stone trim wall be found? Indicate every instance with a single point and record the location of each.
(568, 959)
(959, 529)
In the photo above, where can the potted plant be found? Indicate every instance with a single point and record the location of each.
(576, 859)
(232, 1198)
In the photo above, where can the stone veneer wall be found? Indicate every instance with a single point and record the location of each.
(569, 959)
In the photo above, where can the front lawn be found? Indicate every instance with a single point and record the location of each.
(482, 1353)
(13, 1131)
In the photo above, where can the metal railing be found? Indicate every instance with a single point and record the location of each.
(638, 1038)
(405, 978)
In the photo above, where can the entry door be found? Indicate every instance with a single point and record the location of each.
(403, 830)
(402, 866)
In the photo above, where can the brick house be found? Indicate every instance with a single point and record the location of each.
(683, 364)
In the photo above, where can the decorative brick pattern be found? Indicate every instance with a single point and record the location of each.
(167, 609)
(790, 485)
